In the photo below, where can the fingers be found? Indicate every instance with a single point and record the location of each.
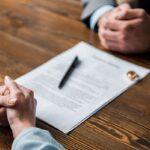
(7, 101)
(15, 94)
(121, 40)
(11, 85)
(130, 14)
(13, 88)
(2, 89)
(111, 24)
(114, 46)
(109, 21)
(108, 34)
(110, 45)
(27, 92)
(111, 40)
(29, 95)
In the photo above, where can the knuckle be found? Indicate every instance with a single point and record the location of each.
(141, 21)
(28, 97)
(125, 27)
(30, 92)
(123, 37)
(125, 13)
(142, 12)
(18, 94)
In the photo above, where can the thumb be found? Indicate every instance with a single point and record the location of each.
(7, 101)
(11, 85)
(124, 6)
(129, 14)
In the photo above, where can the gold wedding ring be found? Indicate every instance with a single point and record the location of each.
(132, 75)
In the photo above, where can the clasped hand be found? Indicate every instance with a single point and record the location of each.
(17, 106)
(125, 30)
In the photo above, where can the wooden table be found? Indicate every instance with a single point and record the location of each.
(32, 32)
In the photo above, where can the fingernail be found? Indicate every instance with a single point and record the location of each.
(12, 101)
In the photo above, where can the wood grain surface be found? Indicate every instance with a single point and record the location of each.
(34, 31)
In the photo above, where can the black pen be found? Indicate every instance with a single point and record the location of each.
(68, 72)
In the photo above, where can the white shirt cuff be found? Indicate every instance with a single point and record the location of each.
(98, 14)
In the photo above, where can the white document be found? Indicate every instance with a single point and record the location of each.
(98, 80)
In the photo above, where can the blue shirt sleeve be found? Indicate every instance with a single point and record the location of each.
(35, 139)
(98, 14)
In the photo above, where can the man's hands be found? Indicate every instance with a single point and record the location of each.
(19, 105)
(22, 116)
(125, 30)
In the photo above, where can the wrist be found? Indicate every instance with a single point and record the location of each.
(18, 126)
(96, 16)
(106, 15)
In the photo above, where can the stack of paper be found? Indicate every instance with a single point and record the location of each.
(98, 80)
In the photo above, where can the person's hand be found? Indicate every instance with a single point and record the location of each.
(125, 30)
(4, 102)
(21, 116)
(107, 42)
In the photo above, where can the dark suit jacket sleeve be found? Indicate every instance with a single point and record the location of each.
(91, 6)
(145, 4)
